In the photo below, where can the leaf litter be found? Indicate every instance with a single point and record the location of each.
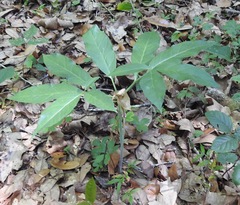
(55, 168)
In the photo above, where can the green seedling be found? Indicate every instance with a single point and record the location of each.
(90, 193)
(227, 145)
(118, 180)
(128, 196)
(101, 151)
(147, 66)
(6, 73)
(28, 38)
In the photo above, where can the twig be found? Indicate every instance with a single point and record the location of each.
(232, 11)
(107, 9)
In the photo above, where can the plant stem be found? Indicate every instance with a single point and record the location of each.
(135, 11)
(121, 125)
(114, 86)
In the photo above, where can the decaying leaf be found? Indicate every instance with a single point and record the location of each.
(152, 190)
(64, 165)
(37, 177)
(172, 172)
(123, 99)
(113, 162)
(57, 161)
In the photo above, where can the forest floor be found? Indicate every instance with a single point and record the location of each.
(167, 155)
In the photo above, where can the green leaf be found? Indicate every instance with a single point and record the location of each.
(38, 41)
(17, 41)
(220, 51)
(91, 191)
(224, 144)
(124, 6)
(154, 88)
(57, 111)
(128, 69)
(6, 73)
(236, 175)
(232, 28)
(100, 49)
(30, 32)
(236, 97)
(142, 125)
(189, 72)
(44, 93)
(145, 47)
(220, 121)
(236, 78)
(225, 158)
(100, 100)
(176, 53)
(30, 60)
(64, 67)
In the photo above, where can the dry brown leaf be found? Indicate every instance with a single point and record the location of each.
(169, 156)
(209, 138)
(58, 155)
(170, 125)
(186, 124)
(158, 174)
(123, 99)
(37, 177)
(134, 184)
(65, 23)
(172, 172)
(59, 163)
(83, 158)
(50, 23)
(131, 144)
(64, 165)
(12, 150)
(152, 190)
(214, 185)
(84, 170)
(147, 169)
(142, 153)
(223, 3)
(114, 159)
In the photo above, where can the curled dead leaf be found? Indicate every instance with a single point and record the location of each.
(172, 172)
(64, 165)
(130, 130)
(152, 190)
(205, 139)
(58, 162)
(50, 23)
(114, 159)
(170, 125)
(58, 155)
(169, 156)
(123, 99)
(131, 144)
(40, 175)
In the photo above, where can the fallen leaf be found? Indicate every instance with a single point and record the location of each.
(152, 190)
(123, 99)
(64, 165)
(113, 162)
(131, 144)
(84, 170)
(223, 3)
(172, 172)
(58, 155)
(37, 177)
